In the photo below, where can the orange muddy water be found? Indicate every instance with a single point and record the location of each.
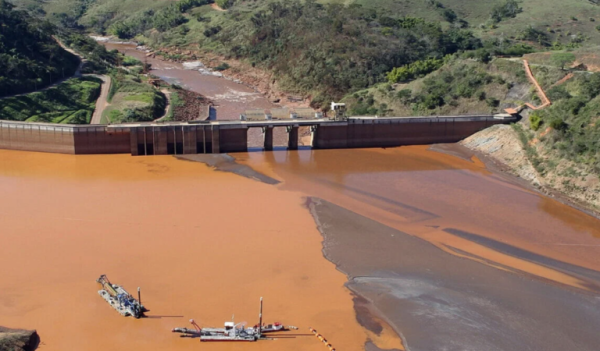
(425, 193)
(206, 244)
(201, 244)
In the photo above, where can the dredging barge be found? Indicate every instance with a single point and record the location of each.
(119, 299)
(232, 331)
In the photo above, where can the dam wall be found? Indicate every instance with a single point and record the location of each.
(37, 137)
(364, 132)
(63, 139)
(176, 138)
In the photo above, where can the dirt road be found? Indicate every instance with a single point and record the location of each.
(167, 106)
(102, 101)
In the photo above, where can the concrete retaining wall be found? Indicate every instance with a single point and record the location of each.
(233, 139)
(223, 137)
(363, 133)
(32, 137)
(100, 140)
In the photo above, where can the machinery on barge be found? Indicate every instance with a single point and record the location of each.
(119, 299)
(232, 331)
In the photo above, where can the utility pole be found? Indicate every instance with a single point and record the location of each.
(260, 318)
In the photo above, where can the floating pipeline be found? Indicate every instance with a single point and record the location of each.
(322, 338)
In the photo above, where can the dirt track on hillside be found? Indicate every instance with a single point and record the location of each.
(102, 102)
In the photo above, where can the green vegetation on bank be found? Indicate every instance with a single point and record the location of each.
(132, 99)
(30, 58)
(571, 125)
(326, 49)
(72, 102)
(329, 50)
(459, 86)
(97, 58)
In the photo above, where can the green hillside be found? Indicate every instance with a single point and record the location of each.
(30, 58)
(328, 48)
(72, 101)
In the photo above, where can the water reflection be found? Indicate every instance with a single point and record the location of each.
(414, 190)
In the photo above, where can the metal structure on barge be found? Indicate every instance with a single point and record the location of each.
(119, 299)
(233, 332)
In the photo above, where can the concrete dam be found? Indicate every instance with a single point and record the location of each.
(176, 138)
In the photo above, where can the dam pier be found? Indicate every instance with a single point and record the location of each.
(214, 137)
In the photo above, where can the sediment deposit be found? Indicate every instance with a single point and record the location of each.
(447, 254)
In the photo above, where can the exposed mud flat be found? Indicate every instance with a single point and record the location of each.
(439, 252)
(226, 163)
(439, 301)
(447, 254)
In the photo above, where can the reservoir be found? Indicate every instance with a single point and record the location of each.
(378, 249)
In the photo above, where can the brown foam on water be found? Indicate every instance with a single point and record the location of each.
(201, 244)
(422, 192)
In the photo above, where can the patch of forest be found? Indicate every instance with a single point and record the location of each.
(30, 58)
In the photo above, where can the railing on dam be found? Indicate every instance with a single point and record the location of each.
(231, 136)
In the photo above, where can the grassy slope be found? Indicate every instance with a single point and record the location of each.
(466, 87)
(120, 8)
(72, 101)
(589, 56)
(538, 13)
(133, 100)
(556, 14)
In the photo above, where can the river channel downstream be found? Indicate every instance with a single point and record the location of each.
(378, 249)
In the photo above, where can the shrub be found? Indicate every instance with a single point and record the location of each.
(222, 67)
(535, 121)
(404, 94)
(414, 70)
(561, 59)
(449, 15)
(509, 9)
(492, 102)
(433, 101)
(130, 61)
(558, 124)
(209, 32)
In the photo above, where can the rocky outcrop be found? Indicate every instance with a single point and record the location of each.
(502, 145)
(18, 339)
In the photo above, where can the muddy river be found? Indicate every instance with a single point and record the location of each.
(379, 249)
(230, 99)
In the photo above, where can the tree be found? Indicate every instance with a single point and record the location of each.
(509, 9)
(562, 59)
